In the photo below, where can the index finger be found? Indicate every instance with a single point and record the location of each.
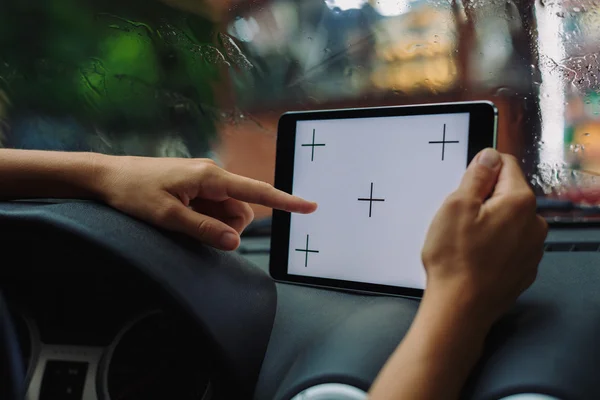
(259, 192)
(511, 178)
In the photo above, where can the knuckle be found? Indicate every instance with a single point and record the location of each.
(428, 257)
(250, 215)
(206, 168)
(264, 190)
(461, 203)
(167, 213)
(265, 185)
(204, 228)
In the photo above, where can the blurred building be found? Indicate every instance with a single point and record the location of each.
(317, 54)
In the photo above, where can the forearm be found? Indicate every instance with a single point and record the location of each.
(50, 174)
(435, 358)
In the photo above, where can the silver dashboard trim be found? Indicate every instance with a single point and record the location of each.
(338, 391)
(331, 391)
(530, 396)
(91, 355)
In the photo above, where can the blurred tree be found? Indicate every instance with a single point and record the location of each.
(136, 67)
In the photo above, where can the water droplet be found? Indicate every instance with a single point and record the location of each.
(586, 134)
(576, 148)
(576, 9)
(503, 91)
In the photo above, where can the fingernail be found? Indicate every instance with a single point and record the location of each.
(229, 240)
(490, 158)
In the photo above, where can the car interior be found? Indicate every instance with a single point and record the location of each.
(107, 307)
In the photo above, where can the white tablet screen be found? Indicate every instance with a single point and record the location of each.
(378, 182)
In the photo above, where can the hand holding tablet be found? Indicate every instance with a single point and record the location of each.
(486, 240)
(379, 176)
(482, 251)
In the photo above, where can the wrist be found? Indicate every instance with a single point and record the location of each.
(103, 168)
(448, 336)
(442, 345)
(449, 332)
(99, 170)
(458, 302)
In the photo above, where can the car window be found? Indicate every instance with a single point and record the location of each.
(210, 78)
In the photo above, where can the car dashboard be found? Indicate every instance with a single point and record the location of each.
(107, 307)
(109, 340)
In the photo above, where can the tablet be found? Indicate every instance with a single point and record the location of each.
(379, 175)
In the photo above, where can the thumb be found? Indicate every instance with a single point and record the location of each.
(206, 229)
(482, 174)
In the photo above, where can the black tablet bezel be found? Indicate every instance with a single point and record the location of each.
(482, 134)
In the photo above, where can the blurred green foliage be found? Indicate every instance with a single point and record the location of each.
(118, 65)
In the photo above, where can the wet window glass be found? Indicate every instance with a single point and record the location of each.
(210, 78)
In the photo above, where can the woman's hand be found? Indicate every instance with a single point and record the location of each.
(485, 243)
(192, 196)
(481, 252)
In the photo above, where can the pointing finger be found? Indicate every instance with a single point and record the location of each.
(258, 192)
